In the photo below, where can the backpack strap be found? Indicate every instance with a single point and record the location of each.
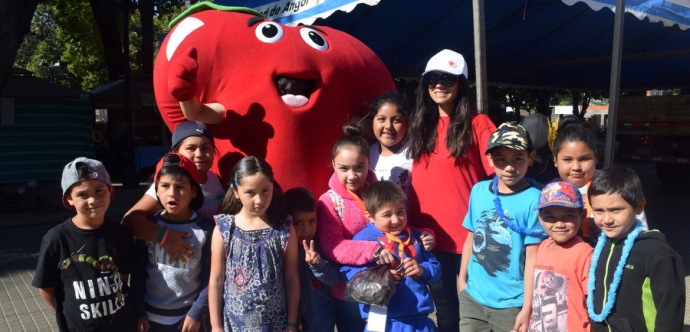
(338, 203)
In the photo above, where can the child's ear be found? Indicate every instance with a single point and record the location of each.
(369, 216)
(68, 199)
(112, 193)
(236, 193)
(640, 206)
(531, 157)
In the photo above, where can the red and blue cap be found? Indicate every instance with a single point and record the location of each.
(560, 193)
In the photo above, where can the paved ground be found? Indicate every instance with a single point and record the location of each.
(22, 309)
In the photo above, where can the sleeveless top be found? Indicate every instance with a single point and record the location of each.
(254, 292)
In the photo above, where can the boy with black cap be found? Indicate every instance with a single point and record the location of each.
(503, 234)
(83, 264)
(562, 263)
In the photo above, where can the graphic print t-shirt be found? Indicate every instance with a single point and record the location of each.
(85, 268)
(560, 286)
(495, 272)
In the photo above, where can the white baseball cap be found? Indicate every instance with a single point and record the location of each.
(447, 61)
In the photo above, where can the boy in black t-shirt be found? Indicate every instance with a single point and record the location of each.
(84, 262)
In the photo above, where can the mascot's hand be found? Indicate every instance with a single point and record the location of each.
(182, 75)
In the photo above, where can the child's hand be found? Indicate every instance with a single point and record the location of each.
(462, 284)
(411, 268)
(386, 258)
(177, 247)
(396, 275)
(143, 324)
(311, 256)
(522, 320)
(188, 324)
(428, 240)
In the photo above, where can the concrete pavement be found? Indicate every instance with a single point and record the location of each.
(22, 309)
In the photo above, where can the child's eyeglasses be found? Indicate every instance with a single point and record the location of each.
(446, 80)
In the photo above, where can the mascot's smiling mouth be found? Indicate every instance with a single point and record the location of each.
(295, 92)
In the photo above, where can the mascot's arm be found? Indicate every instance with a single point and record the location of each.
(182, 85)
(211, 113)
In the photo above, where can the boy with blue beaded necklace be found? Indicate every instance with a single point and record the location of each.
(636, 280)
(503, 235)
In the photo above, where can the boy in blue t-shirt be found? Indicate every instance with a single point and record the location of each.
(503, 236)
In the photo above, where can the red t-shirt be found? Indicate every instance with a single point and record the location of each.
(560, 286)
(441, 185)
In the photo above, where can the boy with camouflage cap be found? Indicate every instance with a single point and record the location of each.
(503, 235)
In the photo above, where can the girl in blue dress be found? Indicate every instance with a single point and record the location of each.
(254, 284)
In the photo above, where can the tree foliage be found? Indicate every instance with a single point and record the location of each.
(540, 100)
(15, 18)
(78, 43)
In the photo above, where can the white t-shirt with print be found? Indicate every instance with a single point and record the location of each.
(396, 168)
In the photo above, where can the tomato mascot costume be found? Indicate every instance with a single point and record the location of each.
(286, 91)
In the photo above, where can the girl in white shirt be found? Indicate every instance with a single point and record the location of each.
(388, 157)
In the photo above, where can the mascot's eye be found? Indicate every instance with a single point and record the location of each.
(314, 39)
(269, 32)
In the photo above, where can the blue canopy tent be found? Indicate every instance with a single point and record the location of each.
(540, 43)
(537, 43)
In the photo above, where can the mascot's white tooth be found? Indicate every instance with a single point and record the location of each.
(295, 101)
(182, 30)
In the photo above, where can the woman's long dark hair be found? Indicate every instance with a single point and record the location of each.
(424, 120)
(248, 166)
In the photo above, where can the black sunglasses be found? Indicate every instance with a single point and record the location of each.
(447, 80)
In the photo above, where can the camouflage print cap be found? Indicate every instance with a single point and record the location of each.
(510, 135)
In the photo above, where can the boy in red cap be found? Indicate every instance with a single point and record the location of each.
(176, 291)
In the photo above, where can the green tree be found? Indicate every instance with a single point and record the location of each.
(66, 32)
(16, 21)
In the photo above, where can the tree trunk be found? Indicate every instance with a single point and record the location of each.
(543, 100)
(105, 13)
(15, 21)
(147, 43)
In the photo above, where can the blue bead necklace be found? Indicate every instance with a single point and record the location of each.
(611, 296)
(509, 223)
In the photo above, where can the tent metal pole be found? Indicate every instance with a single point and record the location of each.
(479, 56)
(614, 86)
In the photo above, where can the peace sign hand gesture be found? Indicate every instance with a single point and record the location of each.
(311, 256)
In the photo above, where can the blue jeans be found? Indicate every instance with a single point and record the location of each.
(349, 318)
(322, 312)
(445, 293)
